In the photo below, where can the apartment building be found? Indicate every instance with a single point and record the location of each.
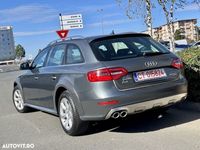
(187, 28)
(7, 48)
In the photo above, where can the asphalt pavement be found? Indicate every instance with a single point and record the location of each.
(178, 129)
(8, 68)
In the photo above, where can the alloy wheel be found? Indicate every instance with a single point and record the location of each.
(66, 114)
(18, 100)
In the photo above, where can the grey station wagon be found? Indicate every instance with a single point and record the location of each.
(98, 78)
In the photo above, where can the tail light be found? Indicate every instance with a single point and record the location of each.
(106, 103)
(177, 63)
(106, 74)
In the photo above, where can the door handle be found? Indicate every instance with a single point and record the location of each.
(53, 77)
(36, 78)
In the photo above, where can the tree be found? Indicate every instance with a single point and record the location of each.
(134, 8)
(198, 33)
(20, 51)
(148, 19)
(168, 9)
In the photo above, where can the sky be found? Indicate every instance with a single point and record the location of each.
(34, 22)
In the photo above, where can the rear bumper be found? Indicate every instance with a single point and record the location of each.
(132, 101)
(140, 107)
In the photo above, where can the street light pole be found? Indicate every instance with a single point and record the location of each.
(101, 12)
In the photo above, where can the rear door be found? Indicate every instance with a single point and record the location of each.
(146, 61)
(50, 74)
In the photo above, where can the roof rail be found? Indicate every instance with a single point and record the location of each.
(68, 38)
(74, 37)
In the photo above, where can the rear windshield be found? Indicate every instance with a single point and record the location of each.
(126, 47)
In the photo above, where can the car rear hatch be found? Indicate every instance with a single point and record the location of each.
(145, 71)
(145, 61)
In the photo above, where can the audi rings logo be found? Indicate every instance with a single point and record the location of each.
(150, 63)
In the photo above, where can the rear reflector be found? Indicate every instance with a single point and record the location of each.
(106, 74)
(113, 102)
(177, 63)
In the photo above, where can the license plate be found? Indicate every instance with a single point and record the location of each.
(148, 75)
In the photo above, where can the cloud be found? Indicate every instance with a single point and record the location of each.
(33, 13)
(37, 13)
(96, 24)
(110, 23)
(191, 7)
(20, 34)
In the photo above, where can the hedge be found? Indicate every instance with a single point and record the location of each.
(191, 59)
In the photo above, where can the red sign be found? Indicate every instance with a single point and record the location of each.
(62, 33)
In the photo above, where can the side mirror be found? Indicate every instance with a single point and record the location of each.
(24, 66)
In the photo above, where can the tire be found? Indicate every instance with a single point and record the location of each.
(18, 101)
(69, 117)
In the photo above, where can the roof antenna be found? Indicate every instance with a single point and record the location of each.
(113, 32)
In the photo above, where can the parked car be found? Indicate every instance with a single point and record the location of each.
(181, 47)
(178, 47)
(98, 78)
(195, 44)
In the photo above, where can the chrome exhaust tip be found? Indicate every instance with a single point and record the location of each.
(115, 115)
(123, 114)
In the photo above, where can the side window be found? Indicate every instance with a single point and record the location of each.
(57, 55)
(73, 54)
(41, 58)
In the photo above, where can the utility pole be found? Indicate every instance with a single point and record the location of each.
(100, 11)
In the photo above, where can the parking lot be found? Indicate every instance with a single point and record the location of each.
(178, 129)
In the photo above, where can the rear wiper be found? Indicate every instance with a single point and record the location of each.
(153, 53)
